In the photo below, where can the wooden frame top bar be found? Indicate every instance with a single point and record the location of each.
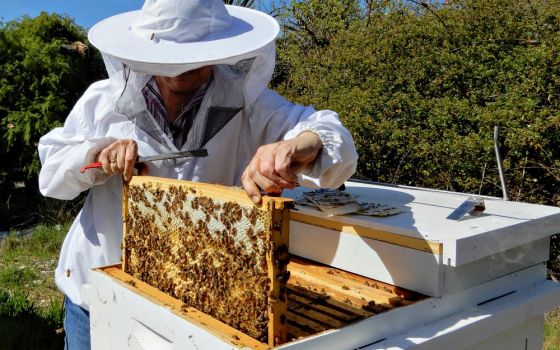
(236, 194)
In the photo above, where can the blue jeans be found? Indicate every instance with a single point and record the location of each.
(76, 327)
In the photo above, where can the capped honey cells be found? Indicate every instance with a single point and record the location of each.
(212, 249)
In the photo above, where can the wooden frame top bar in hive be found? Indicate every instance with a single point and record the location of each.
(212, 248)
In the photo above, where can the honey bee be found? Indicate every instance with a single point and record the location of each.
(131, 282)
(237, 240)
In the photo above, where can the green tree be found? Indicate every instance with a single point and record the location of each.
(421, 85)
(45, 65)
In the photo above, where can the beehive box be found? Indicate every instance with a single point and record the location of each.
(210, 247)
(485, 284)
(421, 249)
(321, 300)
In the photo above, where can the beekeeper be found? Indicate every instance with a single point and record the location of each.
(183, 75)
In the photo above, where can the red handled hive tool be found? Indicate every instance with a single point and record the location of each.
(175, 155)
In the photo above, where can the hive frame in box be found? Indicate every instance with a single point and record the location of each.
(126, 315)
(165, 221)
(320, 299)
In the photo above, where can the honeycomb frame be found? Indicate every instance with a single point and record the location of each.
(212, 248)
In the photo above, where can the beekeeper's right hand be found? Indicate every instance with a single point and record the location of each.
(119, 158)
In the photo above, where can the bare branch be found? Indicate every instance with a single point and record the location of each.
(432, 11)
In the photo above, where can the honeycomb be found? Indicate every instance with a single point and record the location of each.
(211, 251)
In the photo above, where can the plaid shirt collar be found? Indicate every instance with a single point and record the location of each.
(177, 130)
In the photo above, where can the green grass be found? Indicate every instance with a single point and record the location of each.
(552, 330)
(25, 326)
(41, 242)
(27, 263)
(13, 277)
(31, 311)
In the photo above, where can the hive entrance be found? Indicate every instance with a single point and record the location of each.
(212, 248)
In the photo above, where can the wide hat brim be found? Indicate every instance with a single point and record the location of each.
(250, 31)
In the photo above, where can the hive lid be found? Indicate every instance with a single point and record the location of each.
(502, 226)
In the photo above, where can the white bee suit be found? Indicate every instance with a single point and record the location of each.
(237, 115)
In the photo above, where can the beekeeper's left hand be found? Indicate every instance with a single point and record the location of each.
(275, 166)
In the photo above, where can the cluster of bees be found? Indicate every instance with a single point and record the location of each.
(209, 253)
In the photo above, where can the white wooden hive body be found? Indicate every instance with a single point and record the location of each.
(485, 278)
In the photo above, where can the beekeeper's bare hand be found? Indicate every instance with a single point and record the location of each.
(119, 158)
(275, 166)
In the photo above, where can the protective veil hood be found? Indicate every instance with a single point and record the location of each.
(169, 37)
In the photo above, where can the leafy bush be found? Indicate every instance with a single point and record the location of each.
(422, 86)
(44, 68)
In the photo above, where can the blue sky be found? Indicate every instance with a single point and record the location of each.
(85, 12)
